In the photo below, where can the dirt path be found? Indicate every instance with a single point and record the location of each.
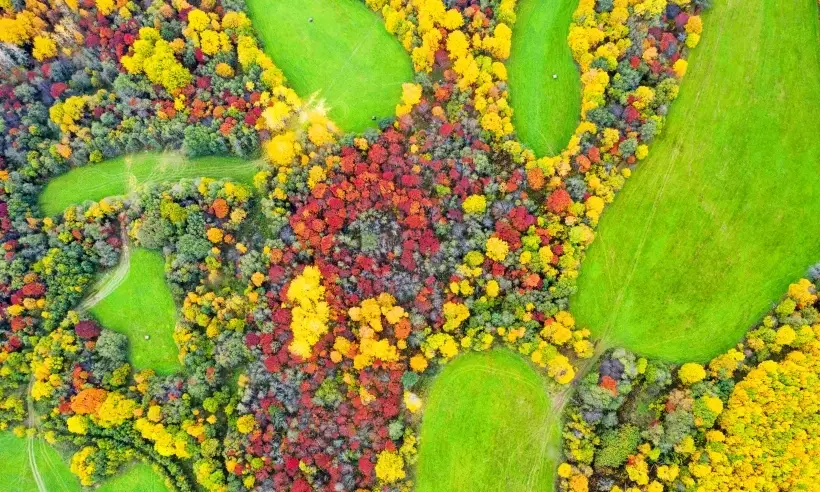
(32, 460)
(111, 281)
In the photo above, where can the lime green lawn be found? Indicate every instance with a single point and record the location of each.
(138, 477)
(345, 53)
(546, 109)
(119, 175)
(17, 473)
(55, 471)
(142, 305)
(723, 215)
(488, 426)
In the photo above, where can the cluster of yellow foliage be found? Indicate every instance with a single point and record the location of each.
(310, 312)
(768, 435)
(476, 47)
(204, 30)
(106, 409)
(165, 442)
(82, 467)
(66, 113)
(48, 362)
(558, 332)
(44, 48)
(369, 316)
(156, 58)
(390, 467)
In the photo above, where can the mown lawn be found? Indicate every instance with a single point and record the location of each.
(345, 54)
(142, 305)
(546, 109)
(119, 175)
(488, 426)
(17, 472)
(723, 215)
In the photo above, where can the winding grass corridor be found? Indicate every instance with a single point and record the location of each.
(120, 175)
(722, 216)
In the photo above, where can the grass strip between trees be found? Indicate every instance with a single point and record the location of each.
(18, 475)
(120, 175)
(546, 108)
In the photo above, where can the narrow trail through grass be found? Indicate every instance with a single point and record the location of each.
(109, 282)
(142, 305)
(546, 109)
(338, 48)
(716, 223)
(121, 175)
(488, 425)
(16, 456)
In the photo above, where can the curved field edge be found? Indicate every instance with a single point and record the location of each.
(140, 306)
(488, 415)
(118, 176)
(339, 49)
(546, 110)
(714, 225)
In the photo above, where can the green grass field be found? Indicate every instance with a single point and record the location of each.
(142, 305)
(722, 216)
(345, 54)
(137, 477)
(18, 475)
(488, 426)
(119, 175)
(546, 110)
(56, 472)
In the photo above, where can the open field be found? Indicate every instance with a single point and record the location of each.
(345, 54)
(488, 426)
(19, 476)
(714, 225)
(142, 305)
(546, 109)
(119, 175)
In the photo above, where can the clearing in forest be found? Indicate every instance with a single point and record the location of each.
(120, 175)
(487, 418)
(142, 305)
(546, 108)
(338, 48)
(716, 223)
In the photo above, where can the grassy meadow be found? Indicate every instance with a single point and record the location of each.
(338, 49)
(142, 305)
(716, 223)
(52, 466)
(546, 109)
(488, 418)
